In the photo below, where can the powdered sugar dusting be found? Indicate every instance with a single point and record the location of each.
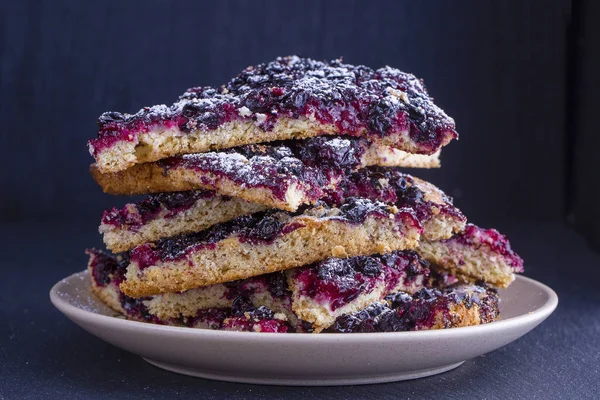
(310, 165)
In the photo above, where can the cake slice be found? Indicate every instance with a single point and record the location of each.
(328, 289)
(260, 304)
(288, 98)
(267, 242)
(170, 214)
(280, 175)
(474, 255)
(456, 306)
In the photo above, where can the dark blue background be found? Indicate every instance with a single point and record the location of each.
(519, 77)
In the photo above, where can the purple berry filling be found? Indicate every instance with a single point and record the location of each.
(353, 98)
(337, 282)
(137, 309)
(494, 240)
(342, 286)
(107, 268)
(256, 321)
(249, 319)
(274, 282)
(246, 317)
(439, 278)
(329, 153)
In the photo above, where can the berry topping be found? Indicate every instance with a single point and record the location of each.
(336, 282)
(106, 267)
(277, 285)
(244, 317)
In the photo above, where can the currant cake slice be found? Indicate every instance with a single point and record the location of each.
(259, 304)
(456, 306)
(328, 289)
(476, 254)
(267, 242)
(280, 175)
(169, 214)
(288, 98)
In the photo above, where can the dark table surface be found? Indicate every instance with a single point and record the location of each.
(45, 356)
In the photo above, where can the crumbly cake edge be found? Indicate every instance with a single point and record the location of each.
(469, 263)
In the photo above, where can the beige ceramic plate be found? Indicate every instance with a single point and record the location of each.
(305, 359)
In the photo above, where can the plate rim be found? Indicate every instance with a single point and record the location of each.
(539, 314)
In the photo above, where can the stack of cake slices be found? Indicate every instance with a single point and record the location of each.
(278, 203)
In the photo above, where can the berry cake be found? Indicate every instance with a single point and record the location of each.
(288, 98)
(476, 254)
(169, 214)
(267, 242)
(456, 306)
(257, 304)
(331, 288)
(281, 175)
